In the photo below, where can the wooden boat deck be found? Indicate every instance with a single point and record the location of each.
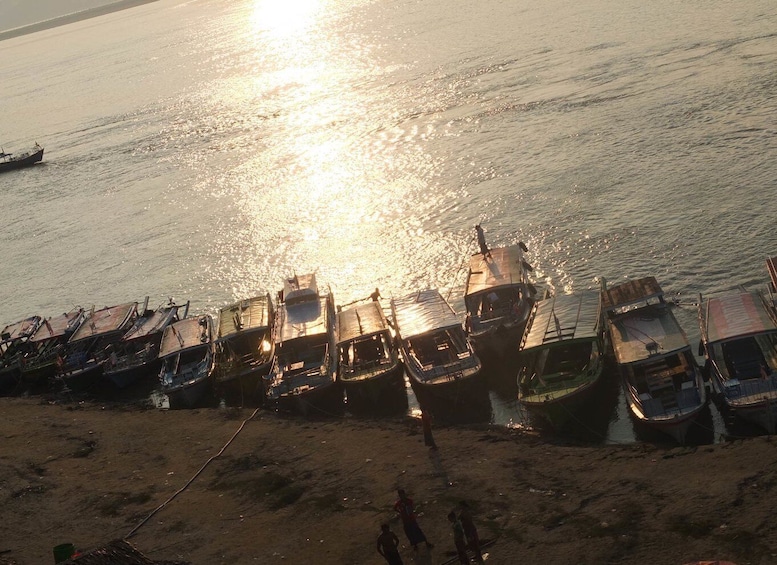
(246, 315)
(186, 334)
(632, 292)
(105, 321)
(57, 326)
(504, 267)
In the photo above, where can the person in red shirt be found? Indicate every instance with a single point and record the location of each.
(406, 509)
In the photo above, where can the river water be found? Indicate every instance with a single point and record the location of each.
(204, 150)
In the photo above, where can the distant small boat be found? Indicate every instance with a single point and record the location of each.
(661, 380)
(563, 351)
(47, 345)
(136, 354)
(10, 161)
(303, 377)
(14, 345)
(87, 350)
(444, 370)
(245, 349)
(498, 299)
(369, 368)
(188, 360)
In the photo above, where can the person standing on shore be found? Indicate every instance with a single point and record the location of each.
(426, 423)
(470, 530)
(459, 539)
(406, 509)
(388, 546)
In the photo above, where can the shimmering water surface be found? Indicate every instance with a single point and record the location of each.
(205, 149)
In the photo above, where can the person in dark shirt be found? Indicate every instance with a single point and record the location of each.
(388, 546)
(484, 250)
(459, 538)
(470, 530)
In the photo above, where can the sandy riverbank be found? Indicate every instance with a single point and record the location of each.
(72, 18)
(292, 491)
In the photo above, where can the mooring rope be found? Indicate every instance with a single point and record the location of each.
(190, 481)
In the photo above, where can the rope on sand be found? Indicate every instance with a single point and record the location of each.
(190, 481)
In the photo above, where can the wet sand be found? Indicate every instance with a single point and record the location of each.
(286, 490)
(72, 18)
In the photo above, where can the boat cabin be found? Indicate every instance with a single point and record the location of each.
(363, 338)
(496, 285)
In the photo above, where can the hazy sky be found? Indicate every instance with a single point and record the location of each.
(17, 13)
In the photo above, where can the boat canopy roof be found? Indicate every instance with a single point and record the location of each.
(651, 331)
(633, 294)
(154, 323)
(361, 320)
(105, 321)
(300, 288)
(504, 267)
(21, 329)
(251, 314)
(736, 315)
(563, 318)
(304, 319)
(57, 326)
(423, 312)
(186, 334)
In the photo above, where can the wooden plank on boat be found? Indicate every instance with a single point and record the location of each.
(21, 329)
(245, 315)
(361, 320)
(771, 266)
(185, 334)
(630, 292)
(646, 332)
(502, 267)
(56, 326)
(105, 321)
(302, 319)
(423, 312)
(564, 317)
(737, 315)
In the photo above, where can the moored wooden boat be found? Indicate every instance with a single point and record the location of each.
(14, 346)
(303, 376)
(245, 349)
(444, 370)
(10, 161)
(47, 345)
(739, 336)
(562, 354)
(369, 368)
(87, 349)
(136, 355)
(188, 358)
(498, 299)
(661, 380)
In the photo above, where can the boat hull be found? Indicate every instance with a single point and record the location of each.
(82, 378)
(322, 401)
(498, 346)
(245, 388)
(382, 394)
(128, 376)
(191, 394)
(562, 409)
(457, 400)
(10, 379)
(22, 163)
